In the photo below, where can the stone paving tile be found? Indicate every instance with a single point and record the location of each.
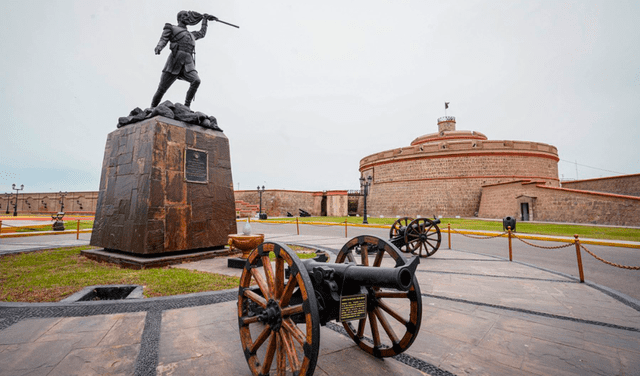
(178, 319)
(433, 348)
(31, 356)
(118, 360)
(126, 331)
(546, 331)
(353, 361)
(630, 361)
(548, 358)
(85, 324)
(26, 330)
(205, 365)
(73, 345)
(78, 340)
(216, 334)
(467, 363)
(462, 327)
(43, 371)
(615, 338)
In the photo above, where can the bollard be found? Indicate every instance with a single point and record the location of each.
(449, 232)
(345, 227)
(579, 257)
(510, 249)
(297, 226)
(78, 230)
(0, 227)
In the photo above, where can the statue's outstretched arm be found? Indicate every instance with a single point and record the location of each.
(203, 29)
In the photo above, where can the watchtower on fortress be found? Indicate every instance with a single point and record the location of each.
(443, 173)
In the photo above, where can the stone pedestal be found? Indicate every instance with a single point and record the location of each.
(166, 187)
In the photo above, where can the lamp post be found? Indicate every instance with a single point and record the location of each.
(15, 207)
(62, 194)
(260, 191)
(8, 203)
(364, 185)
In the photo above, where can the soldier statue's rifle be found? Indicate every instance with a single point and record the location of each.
(214, 18)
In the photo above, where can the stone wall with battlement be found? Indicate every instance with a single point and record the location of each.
(443, 173)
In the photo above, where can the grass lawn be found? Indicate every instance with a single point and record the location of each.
(593, 232)
(52, 275)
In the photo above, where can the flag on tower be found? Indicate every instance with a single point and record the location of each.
(446, 105)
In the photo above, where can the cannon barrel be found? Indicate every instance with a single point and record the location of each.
(399, 278)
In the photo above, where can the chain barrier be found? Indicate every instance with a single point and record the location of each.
(478, 237)
(541, 246)
(609, 262)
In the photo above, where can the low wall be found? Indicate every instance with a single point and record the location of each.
(277, 203)
(553, 204)
(32, 203)
(628, 185)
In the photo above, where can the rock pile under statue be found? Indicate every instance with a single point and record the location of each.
(172, 111)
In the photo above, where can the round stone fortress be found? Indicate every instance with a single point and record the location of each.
(443, 173)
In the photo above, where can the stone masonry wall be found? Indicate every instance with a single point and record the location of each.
(553, 204)
(448, 186)
(623, 185)
(49, 203)
(277, 203)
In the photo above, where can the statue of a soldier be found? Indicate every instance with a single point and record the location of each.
(181, 62)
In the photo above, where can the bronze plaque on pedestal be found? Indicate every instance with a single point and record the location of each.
(195, 166)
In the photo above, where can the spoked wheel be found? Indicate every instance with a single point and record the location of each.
(393, 317)
(267, 315)
(398, 228)
(422, 236)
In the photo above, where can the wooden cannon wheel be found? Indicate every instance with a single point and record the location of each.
(422, 236)
(396, 230)
(271, 333)
(389, 309)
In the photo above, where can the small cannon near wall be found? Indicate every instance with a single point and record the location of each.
(375, 296)
(420, 235)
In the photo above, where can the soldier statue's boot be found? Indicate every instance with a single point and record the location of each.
(191, 93)
(157, 97)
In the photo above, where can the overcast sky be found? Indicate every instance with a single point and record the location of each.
(305, 89)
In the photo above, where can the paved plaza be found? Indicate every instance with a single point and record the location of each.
(482, 315)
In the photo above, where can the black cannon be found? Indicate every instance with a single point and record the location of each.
(420, 235)
(376, 297)
(304, 213)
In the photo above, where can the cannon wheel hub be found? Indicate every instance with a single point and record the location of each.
(272, 315)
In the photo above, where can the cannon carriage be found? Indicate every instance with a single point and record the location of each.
(375, 296)
(417, 236)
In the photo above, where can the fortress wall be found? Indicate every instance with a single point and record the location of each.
(552, 204)
(623, 185)
(279, 202)
(447, 178)
(76, 202)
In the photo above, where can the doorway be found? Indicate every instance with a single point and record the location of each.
(524, 209)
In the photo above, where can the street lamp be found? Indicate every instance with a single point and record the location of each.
(62, 194)
(15, 207)
(364, 185)
(8, 198)
(260, 191)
